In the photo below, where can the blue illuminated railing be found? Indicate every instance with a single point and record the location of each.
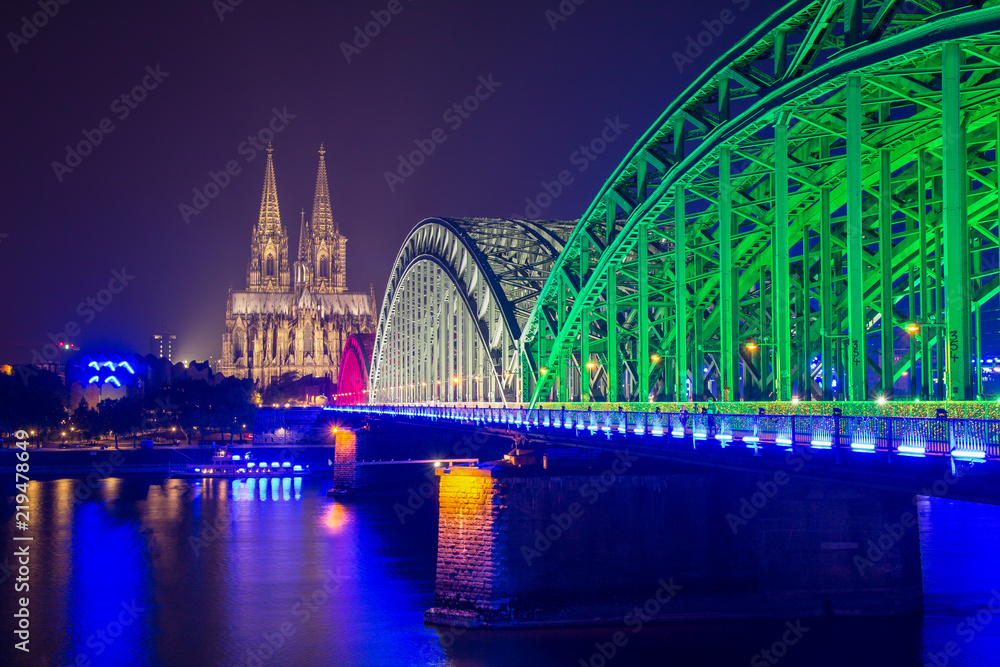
(971, 440)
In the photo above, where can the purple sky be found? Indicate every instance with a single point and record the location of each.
(63, 234)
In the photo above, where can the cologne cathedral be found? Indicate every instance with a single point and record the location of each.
(293, 316)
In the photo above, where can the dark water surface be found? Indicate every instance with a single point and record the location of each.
(154, 571)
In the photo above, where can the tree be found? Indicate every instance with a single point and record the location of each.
(193, 401)
(84, 418)
(285, 388)
(34, 401)
(127, 417)
(232, 405)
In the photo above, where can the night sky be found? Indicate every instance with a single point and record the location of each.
(216, 77)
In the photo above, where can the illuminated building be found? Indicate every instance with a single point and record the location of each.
(162, 346)
(293, 318)
(100, 376)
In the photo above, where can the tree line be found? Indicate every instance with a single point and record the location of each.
(188, 408)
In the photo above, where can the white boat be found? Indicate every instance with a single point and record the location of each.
(239, 466)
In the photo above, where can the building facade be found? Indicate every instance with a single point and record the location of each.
(293, 317)
(162, 346)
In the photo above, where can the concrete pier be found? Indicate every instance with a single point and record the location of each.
(595, 542)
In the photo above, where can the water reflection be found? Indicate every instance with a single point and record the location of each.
(335, 517)
(175, 572)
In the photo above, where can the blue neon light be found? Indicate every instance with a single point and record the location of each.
(127, 367)
(113, 380)
(93, 379)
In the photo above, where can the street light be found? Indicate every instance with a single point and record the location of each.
(591, 365)
(912, 328)
(751, 344)
(655, 358)
(543, 370)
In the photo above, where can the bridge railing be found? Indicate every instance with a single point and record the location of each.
(971, 440)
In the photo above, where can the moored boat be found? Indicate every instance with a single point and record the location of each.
(238, 466)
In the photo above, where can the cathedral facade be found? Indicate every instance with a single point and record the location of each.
(293, 316)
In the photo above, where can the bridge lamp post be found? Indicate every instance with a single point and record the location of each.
(914, 328)
(542, 371)
(590, 369)
(655, 360)
(752, 346)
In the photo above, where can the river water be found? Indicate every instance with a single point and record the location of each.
(155, 571)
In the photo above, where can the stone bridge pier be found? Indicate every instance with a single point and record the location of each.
(616, 538)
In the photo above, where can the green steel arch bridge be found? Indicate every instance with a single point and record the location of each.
(823, 196)
(815, 217)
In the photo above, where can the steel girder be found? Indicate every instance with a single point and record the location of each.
(824, 186)
(458, 297)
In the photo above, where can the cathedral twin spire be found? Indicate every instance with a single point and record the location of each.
(270, 218)
(321, 252)
(323, 223)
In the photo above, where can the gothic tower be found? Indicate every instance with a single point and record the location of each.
(268, 269)
(293, 318)
(329, 246)
(303, 266)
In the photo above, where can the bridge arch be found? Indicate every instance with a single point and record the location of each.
(457, 299)
(355, 364)
(814, 217)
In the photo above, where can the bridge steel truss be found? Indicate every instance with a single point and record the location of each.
(458, 296)
(819, 194)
